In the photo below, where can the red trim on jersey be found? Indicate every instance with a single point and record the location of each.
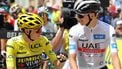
(91, 50)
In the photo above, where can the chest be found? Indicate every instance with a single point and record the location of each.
(29, 49)
(93, 39)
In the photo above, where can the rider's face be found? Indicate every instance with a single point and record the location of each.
(119, 29)
(83, 18)
(36, 32)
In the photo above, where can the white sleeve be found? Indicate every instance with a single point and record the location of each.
(72, 42)
(113, 44)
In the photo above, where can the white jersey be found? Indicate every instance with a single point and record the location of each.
(90, 44)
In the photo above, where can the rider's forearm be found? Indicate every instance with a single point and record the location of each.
(56, 64)
(73, 64)
(3, 44)
(72, 61)
(57, 39)
(116, 61)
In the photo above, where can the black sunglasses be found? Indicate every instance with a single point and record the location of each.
(81, 15)
(120, 28)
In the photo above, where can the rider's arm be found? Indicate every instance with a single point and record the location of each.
(3, 44)
(48, 50)
(72, 61)
(10, 55)
(115, 61)
(72, 55)
(72, 50)
(115, 57)
(58, 38)
(114, 50)
(3, 47)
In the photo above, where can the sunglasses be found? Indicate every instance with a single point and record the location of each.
(119, 28)
(81, 15)
(37, 30)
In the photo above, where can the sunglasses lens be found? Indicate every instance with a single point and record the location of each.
(80, 16)
(120, 28)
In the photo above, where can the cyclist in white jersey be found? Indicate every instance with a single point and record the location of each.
(89, 39)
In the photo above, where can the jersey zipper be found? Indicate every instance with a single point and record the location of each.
(91, 41)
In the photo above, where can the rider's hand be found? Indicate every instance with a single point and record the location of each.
(62, 57)
(68, 22)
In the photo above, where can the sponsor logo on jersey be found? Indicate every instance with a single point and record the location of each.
(91, 45)
(114, 45)
(9, 46)
(35, 47)
(28, 59)
(28, 62)
(21, 52)
(10, 56)
(99, 36)
(21, 47)
(83, 39)
(91, 48)
(72, 46)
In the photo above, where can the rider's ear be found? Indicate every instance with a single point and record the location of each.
(91, 15)
(94, 15)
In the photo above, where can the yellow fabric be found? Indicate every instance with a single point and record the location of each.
(20, 52)
(56, 16)
(23, 11)
(119, 44)
(29, 20)
(66, 40)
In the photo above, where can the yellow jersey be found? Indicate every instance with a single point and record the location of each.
(66, 40)
(56, 16)
(109, 60)
(24, 55)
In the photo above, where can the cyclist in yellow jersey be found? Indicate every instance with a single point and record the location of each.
(118, 29)
(24, 51)
(108, 58)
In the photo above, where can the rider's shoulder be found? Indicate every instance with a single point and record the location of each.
(105, 25)
(77, 26)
